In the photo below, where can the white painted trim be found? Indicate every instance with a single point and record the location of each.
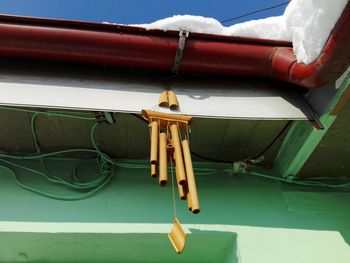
(239, 99)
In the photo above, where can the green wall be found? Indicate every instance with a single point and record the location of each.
(273, 222)
(96, 247)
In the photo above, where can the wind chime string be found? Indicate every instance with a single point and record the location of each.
(179, 131)
(187, 135)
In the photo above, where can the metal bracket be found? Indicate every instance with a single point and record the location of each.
(312, 115)
(316, 122)
(183, 34)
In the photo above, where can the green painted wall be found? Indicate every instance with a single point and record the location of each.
(273, 222)
(94, 247)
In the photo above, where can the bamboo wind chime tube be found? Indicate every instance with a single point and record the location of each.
(173, 102)
(191, 182)
(163, 166)
(181, 188)
(163, 99)
(181, 175)
(154, 142)
(189, 205)
(153, 170)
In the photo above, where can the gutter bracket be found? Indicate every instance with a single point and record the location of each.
(183, 35)
(313, 117)
(316, 122)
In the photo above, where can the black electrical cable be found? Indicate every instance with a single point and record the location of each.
(210, 159)
(225, 161)
(274, 140)
(254, 12)
(139, 117)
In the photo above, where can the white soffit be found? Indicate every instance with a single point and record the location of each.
(96, 91)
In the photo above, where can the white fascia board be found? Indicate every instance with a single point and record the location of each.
(239, 99)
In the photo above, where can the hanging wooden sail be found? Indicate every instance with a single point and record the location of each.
(177, 236)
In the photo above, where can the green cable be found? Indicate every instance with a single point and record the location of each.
(211, 171)
(94, 184)
(45, 155)
(55, 180)
(50, 177)
(105, 173)
(303, 183)
(36, 143)
(57, 197)
(136, 166)
(49, 113)
(107, 158)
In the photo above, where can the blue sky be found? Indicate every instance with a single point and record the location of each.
(137, 11)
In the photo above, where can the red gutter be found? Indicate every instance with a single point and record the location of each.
(331, 63)
(126, 46)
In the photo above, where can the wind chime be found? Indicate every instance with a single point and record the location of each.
(169, 134)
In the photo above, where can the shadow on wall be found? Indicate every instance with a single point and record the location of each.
(205, 246)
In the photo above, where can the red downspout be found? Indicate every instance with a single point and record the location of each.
(331, 63)
(92, 43)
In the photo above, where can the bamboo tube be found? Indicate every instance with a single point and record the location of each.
(191, 181)
(163, 165)
(153, 170)
(154, 142)
(173, 102)
(182, 193)
(181, 175)
(147, 114)
(163, 99)
(189, 205)
(181, 188)
(177, 236)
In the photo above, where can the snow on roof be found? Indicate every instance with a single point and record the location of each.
(306, 23)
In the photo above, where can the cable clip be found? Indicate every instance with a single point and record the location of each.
(239, 167)
(103, 117)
